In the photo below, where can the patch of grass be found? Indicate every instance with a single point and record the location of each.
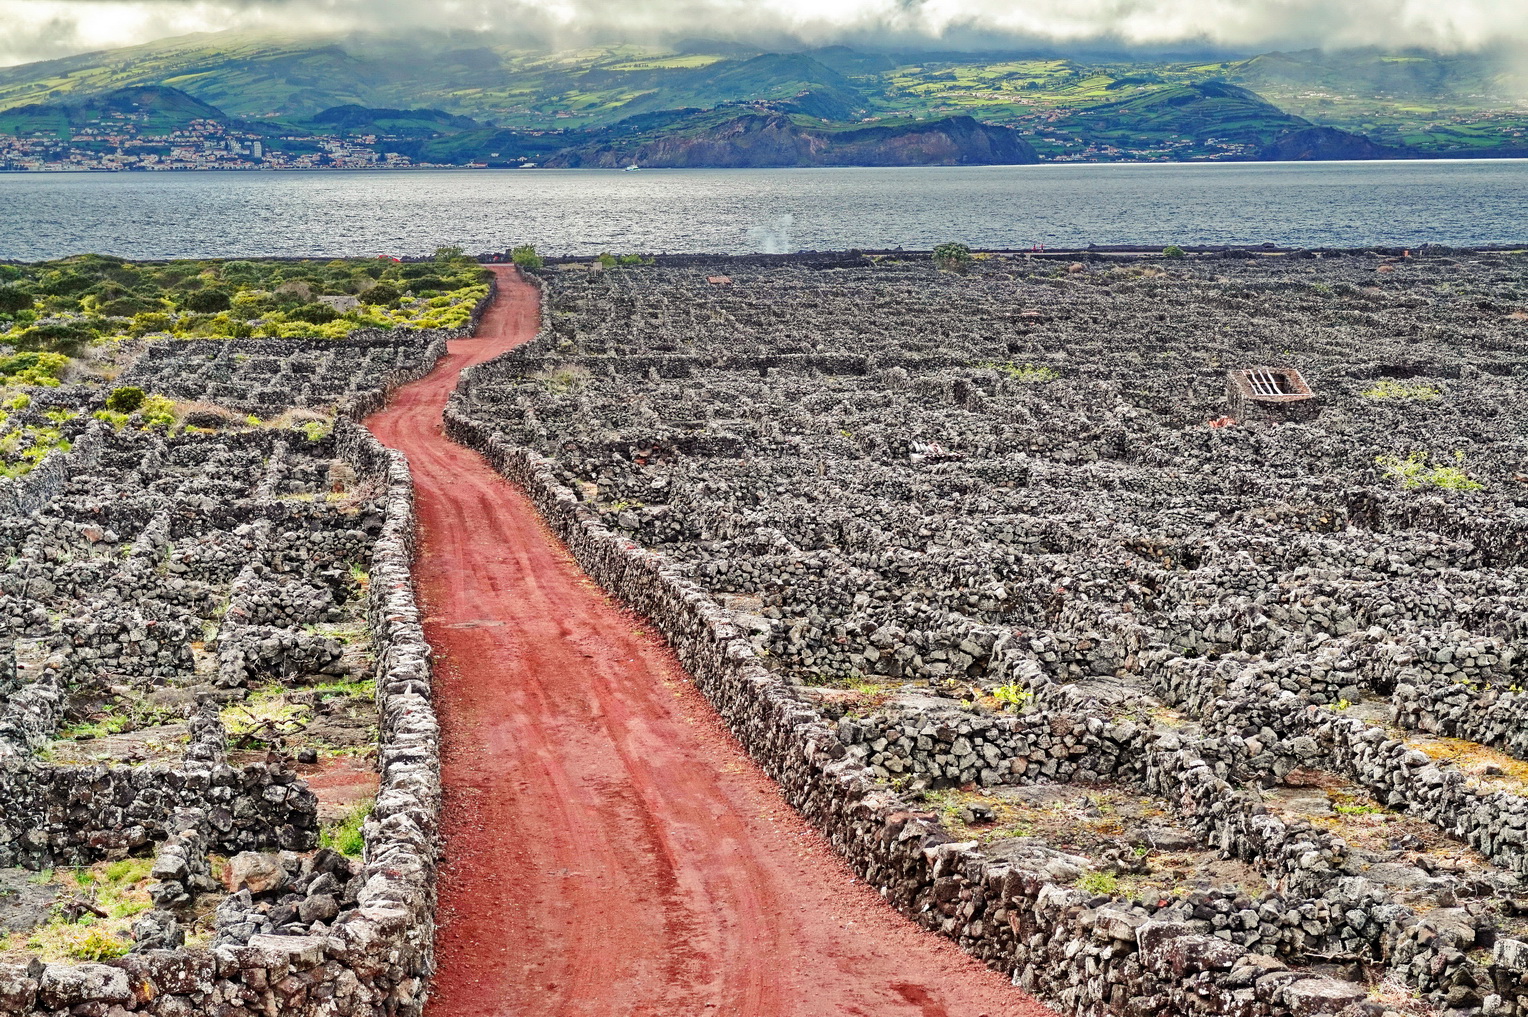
(565, 379)
(1029, 374)
(1473, 757)
(115, 723)
(948, 804)
(1389, 389)
(366, 689)
(1416, 472)
(264, 716)
(114, 719)
(1012, 831)
(346, 836)
(128, 870)
(119, 888)
(1355, 809)
(1100, 884)
(59, 940)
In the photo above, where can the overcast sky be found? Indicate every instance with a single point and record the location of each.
(41, 29)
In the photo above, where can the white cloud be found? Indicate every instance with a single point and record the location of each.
(40, 29)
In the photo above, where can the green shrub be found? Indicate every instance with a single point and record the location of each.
(314, 314)
(381, 293)
(126, 399)
(34, 368)
(208, 301)
(952, 257)
(59, 336)
(157, 411)
(525, 256)
(1173, 251)
(62, 284)
(14, 299)
(1013, 695)
(96, 945)
(151, 321)
(125, 307)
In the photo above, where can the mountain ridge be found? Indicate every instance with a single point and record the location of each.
(470, 101)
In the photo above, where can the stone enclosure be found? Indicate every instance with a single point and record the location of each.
(1156, 695)
(201, 629)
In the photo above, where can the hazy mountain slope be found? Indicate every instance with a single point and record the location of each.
(361, 120)
(1067, 108)
(1468, 103)
(1213, 109)
(775, 139)
(1457, 78)
(155, 108)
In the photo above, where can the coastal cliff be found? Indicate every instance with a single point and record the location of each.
(1314, 143)
(774, 139)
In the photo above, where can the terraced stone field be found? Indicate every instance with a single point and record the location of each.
(1228, 704)
(210, 662)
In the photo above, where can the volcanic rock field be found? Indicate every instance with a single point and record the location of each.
(1157, 696)
(1197, 704)
(211, 651)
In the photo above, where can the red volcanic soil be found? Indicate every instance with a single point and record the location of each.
(610, 848)
(341, 783)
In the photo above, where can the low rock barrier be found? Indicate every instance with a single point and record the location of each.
(372, 959)
(1083, 953)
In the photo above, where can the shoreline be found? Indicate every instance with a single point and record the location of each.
(261, 170)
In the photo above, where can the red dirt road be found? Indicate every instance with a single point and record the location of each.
(611, 850)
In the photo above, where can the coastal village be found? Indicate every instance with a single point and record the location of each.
(117, 143)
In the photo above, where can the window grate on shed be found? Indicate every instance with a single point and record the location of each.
(1270, 383)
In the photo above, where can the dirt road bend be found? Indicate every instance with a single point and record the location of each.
(611, 850)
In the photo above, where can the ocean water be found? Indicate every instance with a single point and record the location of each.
(331, 214)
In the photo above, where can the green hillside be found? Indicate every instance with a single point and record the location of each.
(1465, 102)
(1068, 108)
(1189, 115)
(399, 123)
(150, 108)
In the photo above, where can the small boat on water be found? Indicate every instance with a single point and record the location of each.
(632, 168)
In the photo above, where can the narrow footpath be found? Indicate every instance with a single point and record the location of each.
(611, 850)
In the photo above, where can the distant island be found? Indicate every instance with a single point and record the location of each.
(238, 103)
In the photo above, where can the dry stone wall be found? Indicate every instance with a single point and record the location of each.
(1012, 909)
(267, 376)
(121, 565)
(996, 533)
